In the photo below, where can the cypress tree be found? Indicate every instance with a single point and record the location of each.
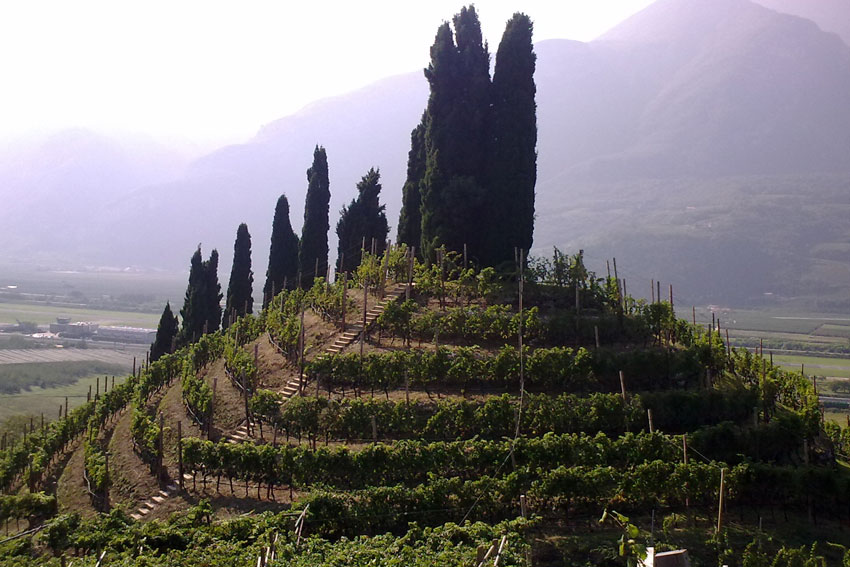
(166, 332)
(240, 288)
(212, 293)
(193, 313)
(513, 158)
(364, 217)
(314, 233)
(453, 192)
(410, 218)
(283, 253)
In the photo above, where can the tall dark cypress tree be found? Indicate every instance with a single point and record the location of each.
(212, 293)
(314, 233)
(193, 313)
(363, 218)
(513, 157)
(240, 288)
(283, 253)
(166, 332)
(454, 191)
(410, 218)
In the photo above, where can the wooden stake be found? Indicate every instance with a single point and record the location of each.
(245, 397)
(694, 311)
(658, 290)
(212, 409)
(180, 452)
(652, 290)
(363, 331)
(620, 294)
(344, 297)
(410, 262)
(66, 406)
(623, 385)
(649, 417)
(596, 334)
(721, 502)
(302, 340)
(159, 443)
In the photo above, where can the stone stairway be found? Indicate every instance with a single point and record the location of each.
(151, 503)
(351, 333)
(240, 435)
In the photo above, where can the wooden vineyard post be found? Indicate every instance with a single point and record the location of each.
(658, 290)
(721, 502)
(623, 385)
(625, 402)
(694, 314)
(159, 447)
(344, 297)
(66, 406)
(596, 334)
(363, 330)
(652, 291)
(619, 291)
(212, 409)
(301, 355)
(685, 459)
(649, 417)
(88, 396)
(411, 262)
(245, 397)
(442, 279)
(180, 452)
(523, 505)
(299, 524)
(385, 267)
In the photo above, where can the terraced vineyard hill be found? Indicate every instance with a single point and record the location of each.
(461, 425)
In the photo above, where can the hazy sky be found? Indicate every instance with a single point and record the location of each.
(215, 71)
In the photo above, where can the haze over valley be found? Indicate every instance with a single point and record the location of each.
(702, 143)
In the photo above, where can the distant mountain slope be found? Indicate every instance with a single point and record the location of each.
(831, 15)
(52, 189)
(690, 103)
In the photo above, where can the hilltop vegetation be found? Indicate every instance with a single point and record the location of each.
(445, 421)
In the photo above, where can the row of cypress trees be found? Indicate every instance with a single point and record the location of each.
(472, 165)
(470, 183)
(290, 258)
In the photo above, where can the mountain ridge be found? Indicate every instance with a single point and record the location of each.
(747, 93)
